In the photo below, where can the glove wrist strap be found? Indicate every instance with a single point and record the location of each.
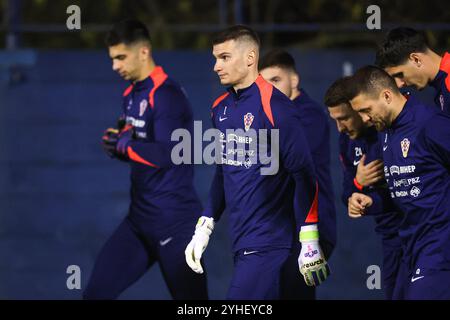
(205, 222)
(309, 233)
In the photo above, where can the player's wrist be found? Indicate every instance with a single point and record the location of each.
(309, 233)
(205, 224)
(357, 184)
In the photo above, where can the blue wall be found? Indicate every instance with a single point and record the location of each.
(61, 197)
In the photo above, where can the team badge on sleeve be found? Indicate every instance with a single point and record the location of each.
(248, 120)
(405, 147)
(142, 107)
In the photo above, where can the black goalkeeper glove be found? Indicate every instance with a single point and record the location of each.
(114, 138)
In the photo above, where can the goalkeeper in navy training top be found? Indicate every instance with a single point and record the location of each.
(164, 205)
(268, 209)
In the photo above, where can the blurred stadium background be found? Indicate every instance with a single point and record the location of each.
(61, 197)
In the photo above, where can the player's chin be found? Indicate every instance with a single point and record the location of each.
(379, 126)
(224, 82)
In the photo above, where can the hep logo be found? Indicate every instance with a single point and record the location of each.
(311, 253)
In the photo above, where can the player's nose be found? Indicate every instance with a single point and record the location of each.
(217, 67)
(365, 118)
(400, 83)
(115, 66)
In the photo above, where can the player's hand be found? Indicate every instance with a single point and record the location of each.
(197, 246)
(123, 140)
(357, 204)
(121, 123)
(367, 175)
(311, 260)
(116, 141)
(109, 141)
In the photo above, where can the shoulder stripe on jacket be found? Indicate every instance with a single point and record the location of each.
(127, 91)
(219, 99)
(265, 90)
(445, 66)
(158, 76)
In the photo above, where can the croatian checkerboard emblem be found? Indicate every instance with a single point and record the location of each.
(248, 120)
(405, 147)
(142, 107)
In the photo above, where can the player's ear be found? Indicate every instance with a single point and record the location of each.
(252, 58)
(386, 95)
(145, 51)
(416, 59)
(295, 80)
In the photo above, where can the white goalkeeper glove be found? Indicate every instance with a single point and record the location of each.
(197, 246)
(311, 260)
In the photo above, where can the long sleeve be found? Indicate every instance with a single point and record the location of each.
(317, 131)
(382, 202)
(216, 199)
(296, 158)
(348, 171)
(437, 137)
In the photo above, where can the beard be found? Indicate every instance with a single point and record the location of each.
(379, 125)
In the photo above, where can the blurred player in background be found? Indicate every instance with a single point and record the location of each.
(361, 154)
(278, 68)
(164, 204)
(406, 55)
(262, 219)
(416, 153)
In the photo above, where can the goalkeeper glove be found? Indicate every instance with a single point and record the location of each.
(121, 123)
(109, 141)
(311, 260)
(115, 142)
(197, 246)
(123, 140)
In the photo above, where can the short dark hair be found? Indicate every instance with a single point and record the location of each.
(277, 58)
(337, 93)
(127, 32)
(237, 32)
(370, 80)
(398, 45)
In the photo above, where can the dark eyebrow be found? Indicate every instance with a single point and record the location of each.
(118, 56)
(223, 54)
(363, 109)
(397, 75)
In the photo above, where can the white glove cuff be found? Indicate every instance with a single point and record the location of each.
(205, 224)
(309, 233)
